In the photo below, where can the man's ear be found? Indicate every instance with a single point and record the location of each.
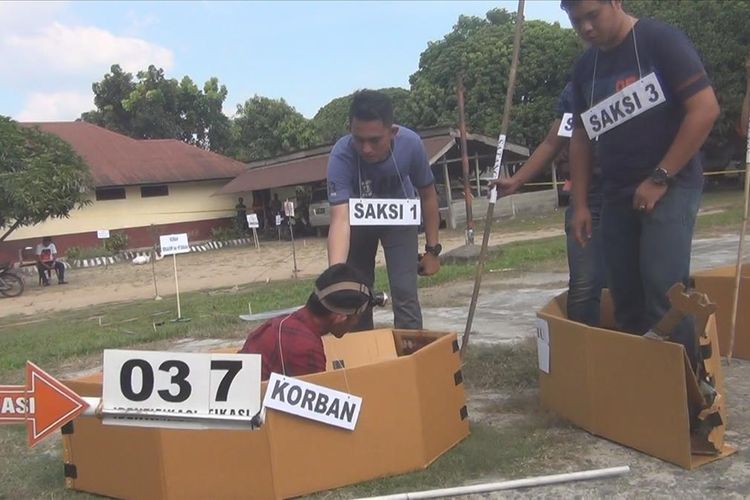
(394, 131)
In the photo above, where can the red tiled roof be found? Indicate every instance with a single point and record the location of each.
(306, 169)
(117, 160)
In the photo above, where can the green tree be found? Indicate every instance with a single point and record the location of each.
(41, 177)
(152, 106)
(721, 33)
(481, 50)
(264, 127)
(332, 120)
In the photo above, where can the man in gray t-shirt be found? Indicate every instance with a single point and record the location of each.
(381, 160)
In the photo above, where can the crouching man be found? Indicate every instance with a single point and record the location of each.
(292, 345)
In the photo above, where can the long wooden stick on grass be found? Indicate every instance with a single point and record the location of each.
(498, 161)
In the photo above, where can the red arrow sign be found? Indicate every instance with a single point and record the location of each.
(44, 404)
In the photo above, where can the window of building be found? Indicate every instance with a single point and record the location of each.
(151, 191)
(105, 194)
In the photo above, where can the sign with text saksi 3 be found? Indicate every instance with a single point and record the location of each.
(172, 244)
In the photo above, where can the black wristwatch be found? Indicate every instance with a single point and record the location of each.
(660, 177)
(434, 250)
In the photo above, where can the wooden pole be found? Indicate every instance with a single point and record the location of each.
(465, 162)
(738, 271)
(498, 163)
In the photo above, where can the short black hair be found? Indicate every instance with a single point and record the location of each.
(566, 5)
(368, 105)
(345, 299)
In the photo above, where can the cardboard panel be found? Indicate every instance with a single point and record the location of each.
(565, 389)
(190, 455)
(441, 396)
(638, 392)
(308, 456)
(718, 284)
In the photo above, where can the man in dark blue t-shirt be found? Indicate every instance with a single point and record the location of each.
(642, 98)
(384, 164)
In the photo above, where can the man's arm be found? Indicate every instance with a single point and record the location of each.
(701, 111)
(338, 234)
(430, 214)
(539, 159)
(580, 177)
(430, 264)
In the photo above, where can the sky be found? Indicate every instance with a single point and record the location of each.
(305, 52)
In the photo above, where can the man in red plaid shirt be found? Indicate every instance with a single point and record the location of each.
(291, 345)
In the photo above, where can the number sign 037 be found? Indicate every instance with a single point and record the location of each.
(181, 385)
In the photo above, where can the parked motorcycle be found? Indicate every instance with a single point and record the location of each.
(11, 285)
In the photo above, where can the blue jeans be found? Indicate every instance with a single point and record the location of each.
(645, 254)
(586, 267)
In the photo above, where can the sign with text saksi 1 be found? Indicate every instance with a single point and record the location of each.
(150, 388)
(172, 244)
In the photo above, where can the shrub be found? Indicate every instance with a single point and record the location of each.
(117, 242)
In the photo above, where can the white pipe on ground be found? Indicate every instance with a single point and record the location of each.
(508, 485)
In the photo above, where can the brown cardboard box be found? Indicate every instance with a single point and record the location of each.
(718, 284)
(413, 410)
(632, 390)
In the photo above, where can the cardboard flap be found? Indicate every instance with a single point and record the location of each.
(638, 393)
(359, 348)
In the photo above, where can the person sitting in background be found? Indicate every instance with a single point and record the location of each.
(46, 261)
(292, 345)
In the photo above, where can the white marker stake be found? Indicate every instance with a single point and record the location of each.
(176, 285)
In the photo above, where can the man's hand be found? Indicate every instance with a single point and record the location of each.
(428, 264)
(505, 185)
(647, 195)
(581, 224)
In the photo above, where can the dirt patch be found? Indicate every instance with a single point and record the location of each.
(224, 268)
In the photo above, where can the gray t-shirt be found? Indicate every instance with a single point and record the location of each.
(397, 176)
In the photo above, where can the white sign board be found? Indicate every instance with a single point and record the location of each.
(542, 344)
(168, 389)
(252, 221)
(384, 212)
(174, 243)
(633, 100)
(311, 401)
(102, 234)
(289, 208)
(566, 125)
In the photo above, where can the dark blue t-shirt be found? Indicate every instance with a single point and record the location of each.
(395, 177)
(629, 153)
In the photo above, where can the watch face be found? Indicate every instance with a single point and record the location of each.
(659, 176)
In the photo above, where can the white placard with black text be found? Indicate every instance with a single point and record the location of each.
(633, 100)
(289, 208)
(102, 234)
(542, 344)
(152, 388)
(252, 221)
(172, 244)
(315, 402)
(566, 125)
(384, 212)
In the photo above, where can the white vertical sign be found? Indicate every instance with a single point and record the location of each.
(542, 344)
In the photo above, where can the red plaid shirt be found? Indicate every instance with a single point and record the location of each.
(301, 345)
